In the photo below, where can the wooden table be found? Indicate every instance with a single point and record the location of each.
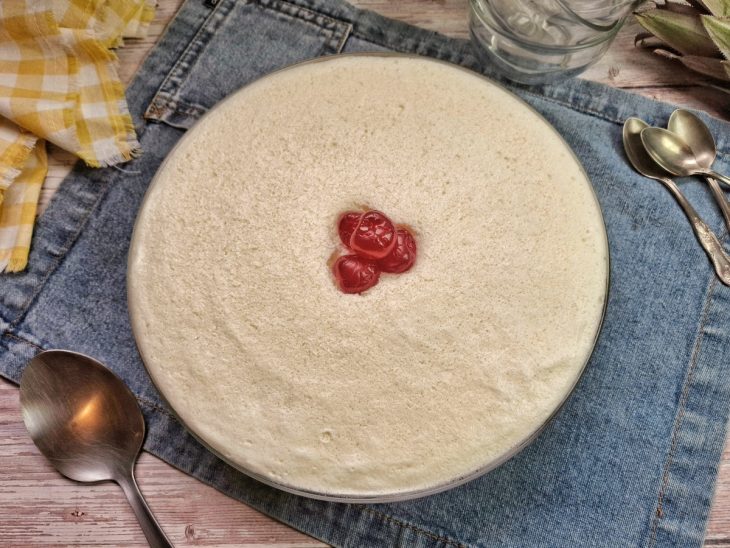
(38, 507)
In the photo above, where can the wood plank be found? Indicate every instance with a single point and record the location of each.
(40, 508)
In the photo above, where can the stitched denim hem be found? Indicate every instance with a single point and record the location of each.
(699, 436)
(174, 76)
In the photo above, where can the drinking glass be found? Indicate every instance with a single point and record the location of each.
(535, 41)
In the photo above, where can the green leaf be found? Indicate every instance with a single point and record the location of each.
(719, 31)
(684, 33)
(719, 8)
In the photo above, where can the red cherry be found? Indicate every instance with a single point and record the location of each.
(347, 225)
(403, 255)
(354, 274)
(374, 236)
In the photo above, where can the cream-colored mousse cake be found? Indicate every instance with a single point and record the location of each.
(424, 379)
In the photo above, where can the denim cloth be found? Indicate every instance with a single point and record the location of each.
(630, 460)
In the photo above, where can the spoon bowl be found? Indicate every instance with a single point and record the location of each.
(670, 151)
(86, 421)
(634, 148)
(674, 155)
(81, 416)
(696, 134)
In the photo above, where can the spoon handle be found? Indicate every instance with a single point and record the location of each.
(721, 199)
(152, 530)
(724, 179)
(706, 237)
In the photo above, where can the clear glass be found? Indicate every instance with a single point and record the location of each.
(535, 41)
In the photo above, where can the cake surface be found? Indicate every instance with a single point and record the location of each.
(419, 381)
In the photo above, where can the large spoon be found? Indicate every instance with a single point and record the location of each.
(697, 135)
(644, 164)
(85, 420)
(674, 155)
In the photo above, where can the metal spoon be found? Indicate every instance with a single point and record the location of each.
(697, 135)
(85, 420)
(674, 155)
(643, 163)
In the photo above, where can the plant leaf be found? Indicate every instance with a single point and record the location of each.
(707, 66)
(652, 43)
(719, 31)
(647, 40)
(682, 32)
(719, 8)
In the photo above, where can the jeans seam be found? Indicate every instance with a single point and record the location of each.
(345, 36)
(155, 407)
(679, 419)
(179, 106)
(274, 5)
(195, 41)
(404, 525)
(60, 257)
(458, 58)
(335, 33)
(21, 339)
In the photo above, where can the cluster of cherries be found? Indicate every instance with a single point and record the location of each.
(377, 246)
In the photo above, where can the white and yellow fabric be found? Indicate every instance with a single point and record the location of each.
(58, 83)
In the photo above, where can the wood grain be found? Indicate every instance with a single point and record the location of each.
(38, 507)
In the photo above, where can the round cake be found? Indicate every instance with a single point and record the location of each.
(430, 376)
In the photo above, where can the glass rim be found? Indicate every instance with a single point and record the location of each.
(479, 13)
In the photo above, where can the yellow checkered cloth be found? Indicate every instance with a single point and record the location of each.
(58, 83)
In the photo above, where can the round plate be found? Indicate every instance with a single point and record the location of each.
(423, 382)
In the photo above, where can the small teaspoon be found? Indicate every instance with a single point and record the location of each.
(644, 164)
(674, 155)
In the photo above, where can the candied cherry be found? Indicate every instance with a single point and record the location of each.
(347, 225)
(355, 274)
(403, 255)
(374, 236)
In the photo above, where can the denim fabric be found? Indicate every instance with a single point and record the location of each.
(632, 457)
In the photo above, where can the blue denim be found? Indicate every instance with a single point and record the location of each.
(632, 457)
